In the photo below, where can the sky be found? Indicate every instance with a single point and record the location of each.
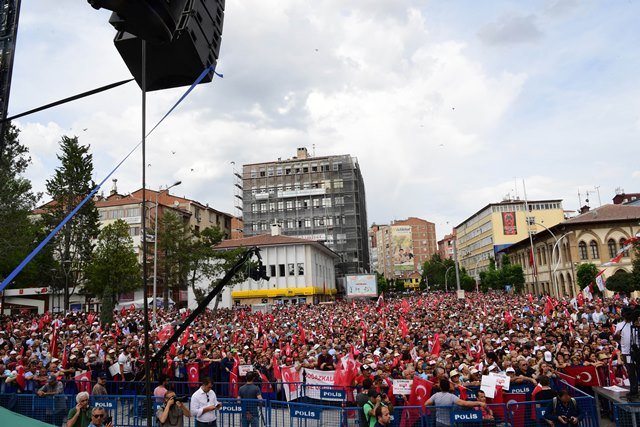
(447, 105)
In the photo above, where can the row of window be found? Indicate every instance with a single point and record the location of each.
(290, 205)
(119, 213)
(286, 270)
(292, 224)
(594, 251)
(295, 169)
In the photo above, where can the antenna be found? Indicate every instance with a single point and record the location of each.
(579, 200)
(597, 187)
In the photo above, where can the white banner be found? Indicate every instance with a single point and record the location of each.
(114, 369)
(244, 369)
(402, 387)
(317, 380)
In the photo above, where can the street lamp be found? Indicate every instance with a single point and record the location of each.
(553, 275)
(155, 253)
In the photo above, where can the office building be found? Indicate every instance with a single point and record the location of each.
(497, 225)
(315, 198)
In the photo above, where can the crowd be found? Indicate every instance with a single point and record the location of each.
(433, 336)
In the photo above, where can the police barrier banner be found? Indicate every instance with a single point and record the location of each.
(305, 412)
(464, 417)
(231, 407)
(522, 388)
(317, 380)
(108, 404)
(333, 394)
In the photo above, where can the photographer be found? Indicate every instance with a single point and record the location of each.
(624, 330)
(172, 413)
(250, 394)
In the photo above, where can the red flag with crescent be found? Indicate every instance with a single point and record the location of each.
(83, 381)
(584, 375)
(420, 393)
(233, 384)
(435, 350)
(165, 333)
(193, 372)
(276, 368)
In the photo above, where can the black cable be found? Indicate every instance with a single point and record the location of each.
(65, 100)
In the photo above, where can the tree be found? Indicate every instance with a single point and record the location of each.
(114, 267)
(383, 285)
(207, 263)
(635, 270)
(508, 274)
(73, 245)
(434, 270)
(586, 274)
(622, 281)
(174, 258)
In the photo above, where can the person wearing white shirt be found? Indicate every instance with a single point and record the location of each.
(623, 331)
(204, 403)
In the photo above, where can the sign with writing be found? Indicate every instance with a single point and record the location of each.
(318, 380)
(231, 408)
(332, 394)
(362, 285)
(463, 417)
(402, 386)
(106, 403)
(502, 380)
(244, 369)
(305, 413)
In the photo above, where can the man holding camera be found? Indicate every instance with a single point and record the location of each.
(172, 413)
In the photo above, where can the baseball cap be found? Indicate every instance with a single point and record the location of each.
(510, 369)
(548, 356)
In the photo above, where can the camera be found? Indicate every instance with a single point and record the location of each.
(108, 420)
(182, 399)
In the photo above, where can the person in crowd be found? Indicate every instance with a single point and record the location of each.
(79, 415)
(161, 388)
(446, 398)
(487, 413)
(383, 416)
(204, 405)
(172, 412)
(99, 388)
(52, 387)
(99, 418)
(249, 394)
(369, 408)
(563, 411)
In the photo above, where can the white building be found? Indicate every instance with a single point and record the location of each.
(300, 272)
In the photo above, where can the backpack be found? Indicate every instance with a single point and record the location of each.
(555, 403)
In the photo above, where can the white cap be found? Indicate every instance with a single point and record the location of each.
(548, 357)
(510, 369)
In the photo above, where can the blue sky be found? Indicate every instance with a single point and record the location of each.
(456, 101)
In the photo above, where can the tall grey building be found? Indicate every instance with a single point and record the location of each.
(316, 198)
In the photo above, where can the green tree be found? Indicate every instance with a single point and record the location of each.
(174, 258)
(207, 263)
(622, 281)
(635, 271)
(19, 233)
(434, 270)
(73, 245)
(585, 274)
(114, 267)
(508, 274)
(383, 286)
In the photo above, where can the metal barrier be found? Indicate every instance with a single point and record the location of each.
(627, 414)
(130, 411)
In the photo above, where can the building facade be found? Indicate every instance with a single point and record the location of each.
(595, 237)
(300, 271)
(498, 225)
(315, 198)
(445, 246)
(404, 246)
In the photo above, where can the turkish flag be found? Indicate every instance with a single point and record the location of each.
(404, 330)
(64, 358)
(233, 384)
(132, 308)
(266, 385)
(568, 379)
(165, 333)
(303, 337)
(20, 377)
(193, 372)
(584, 375)
(498, 401)
(435, 350)
(420, 393)
(185, 337)
(83, 381)
(515, 407)
(276, 368)
(405, 306)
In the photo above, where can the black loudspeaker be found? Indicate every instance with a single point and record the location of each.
(195, 46)
(152, 20)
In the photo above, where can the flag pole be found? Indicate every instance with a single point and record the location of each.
(533, 254)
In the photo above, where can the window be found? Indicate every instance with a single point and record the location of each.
(582, 249)
(272, 270)
(300, 269)
(292, 269)
(613, 250)
(281, 270)
(625, 253)
(594, 250)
